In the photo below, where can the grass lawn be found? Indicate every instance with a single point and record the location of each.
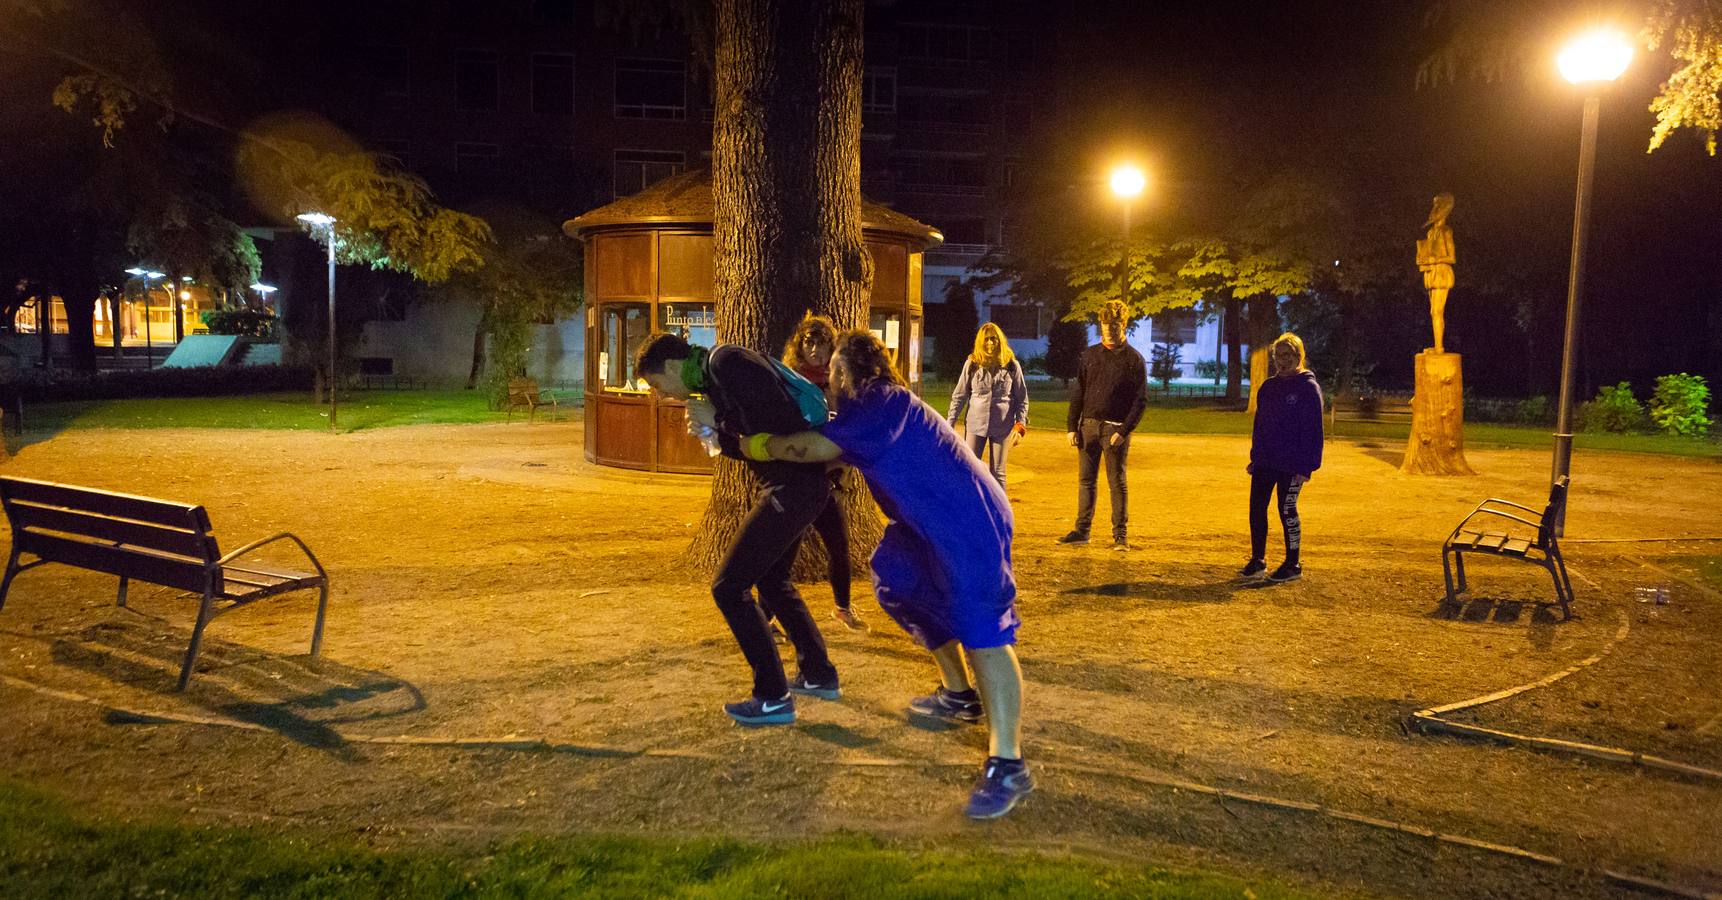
(359, 410)
(1048, 407)
(48, 850)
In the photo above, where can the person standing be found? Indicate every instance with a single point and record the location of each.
(1106, 403)
(746, 393)
(943, 566)
(808, 352)
(995, 393)
(1285, 450)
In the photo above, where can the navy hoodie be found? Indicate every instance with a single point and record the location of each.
(1287, 434)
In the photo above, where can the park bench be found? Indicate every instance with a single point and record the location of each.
(153, 541)
(1387, 408)
(525, 392)
(1539, 547)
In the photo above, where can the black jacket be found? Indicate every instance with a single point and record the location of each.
(750, 397)
(1111, 385)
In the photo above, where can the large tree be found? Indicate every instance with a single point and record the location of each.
(786, 184)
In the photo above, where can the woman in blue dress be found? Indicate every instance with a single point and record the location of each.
(943, 567)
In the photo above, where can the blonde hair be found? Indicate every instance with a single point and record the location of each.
(794, 355)
(1293, 341)
(996, 360)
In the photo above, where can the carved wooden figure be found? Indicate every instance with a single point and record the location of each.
(1435, 257)
(1437, 442)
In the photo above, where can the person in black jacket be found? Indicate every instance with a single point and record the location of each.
(1106, 403)
(743, 393)
(1285, 450)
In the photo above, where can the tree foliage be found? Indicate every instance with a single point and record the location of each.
(1499, 39)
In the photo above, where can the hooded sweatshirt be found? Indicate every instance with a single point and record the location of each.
(1287, 435)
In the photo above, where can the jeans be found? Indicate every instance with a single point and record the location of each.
(1000, 448)
(1263, 483)
(1094, 439)
(762, 554)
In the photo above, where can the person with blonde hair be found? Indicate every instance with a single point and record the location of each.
(995, 393)
(1106, 403)
(1285, 450)
(943, 566)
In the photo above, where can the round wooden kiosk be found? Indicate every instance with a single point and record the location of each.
(649, 269)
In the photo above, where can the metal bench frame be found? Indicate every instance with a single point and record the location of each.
(1544, 550)
(77, 526)
(526, 392)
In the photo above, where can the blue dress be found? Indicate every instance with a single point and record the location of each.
(942, 569)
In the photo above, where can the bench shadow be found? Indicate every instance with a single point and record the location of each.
(1544, 615)
(292, 696)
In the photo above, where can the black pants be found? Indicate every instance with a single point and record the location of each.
(1095, 440)
(833, 529)
(1263, 483)
(761, 556)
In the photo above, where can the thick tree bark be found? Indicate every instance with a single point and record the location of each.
(1234, 329)
(786, 185)
(79, 294)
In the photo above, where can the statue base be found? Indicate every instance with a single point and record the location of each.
(1436, 445)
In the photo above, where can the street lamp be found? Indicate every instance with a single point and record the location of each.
(1592, 61)
(147, 275)
(1127, 183)
(323, 226)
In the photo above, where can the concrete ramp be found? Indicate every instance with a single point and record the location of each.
(202, 350)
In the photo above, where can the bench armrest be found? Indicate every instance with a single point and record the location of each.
(270, 540)
(1530, 509)
(1494, 512)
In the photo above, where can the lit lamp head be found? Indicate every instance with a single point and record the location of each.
(1595, 57)
(1128, 181)
(316, 219)
(264, 289)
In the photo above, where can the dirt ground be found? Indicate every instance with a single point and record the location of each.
(491, 584)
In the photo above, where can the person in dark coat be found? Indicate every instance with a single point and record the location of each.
(1285, 450)
(1106, 402)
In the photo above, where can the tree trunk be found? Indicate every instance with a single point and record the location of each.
(1436, 445)
(1233, 327)
(786, 188)
(478, 348)
(79, 294)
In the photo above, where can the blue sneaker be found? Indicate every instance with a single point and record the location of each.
(953, 706)
(823, 690)
(1003, 782)
(754, 711)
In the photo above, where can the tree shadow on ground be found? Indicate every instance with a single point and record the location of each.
(1221, 591)
(293, 696)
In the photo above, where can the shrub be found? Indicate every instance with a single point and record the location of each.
(36, 386)
(246, 322)
(1533, 411)
(1034, 365)
(1614, 409)
(1680, 405)
(1165, 363)
(1209, 368)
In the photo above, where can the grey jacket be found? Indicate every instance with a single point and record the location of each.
(997, 399)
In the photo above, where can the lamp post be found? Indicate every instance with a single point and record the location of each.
(147, 275)
(1592, 60)
(323, 225)
(1127, 183)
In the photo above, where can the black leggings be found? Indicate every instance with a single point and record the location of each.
(833, 529)
(1263, 484)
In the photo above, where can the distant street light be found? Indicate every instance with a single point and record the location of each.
(1592, 60)
(264, 289)
(323, 226)
(1127, 183)
(147, 275)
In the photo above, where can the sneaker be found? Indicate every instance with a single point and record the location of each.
(1075, 537)
(849, 619)
(1003, 783)
(823, 690)
(953, 706)
(777, 635)
(1286, 572)
(754, 711)
(1253, 568)
(1120, 544)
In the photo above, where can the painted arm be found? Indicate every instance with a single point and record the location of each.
(805, 447)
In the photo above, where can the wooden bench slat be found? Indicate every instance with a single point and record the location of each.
(1491, 541)
(143, 509)
(30, 514)
(127, 562)
(1516, 547)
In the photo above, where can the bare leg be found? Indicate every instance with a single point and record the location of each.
(1437, 309)
(951, 671)
(1000, 681)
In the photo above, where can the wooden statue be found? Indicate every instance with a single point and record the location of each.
(1435, 259)
(1436, 445)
